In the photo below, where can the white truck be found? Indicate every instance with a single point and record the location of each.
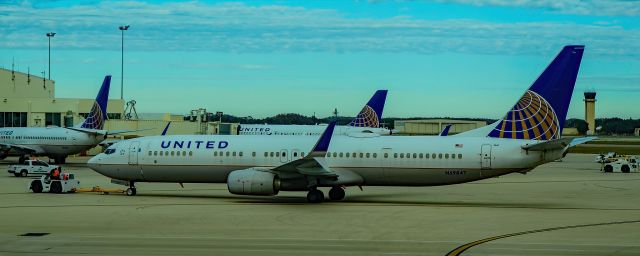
(31, 167)
(624, 165)
(64, 183)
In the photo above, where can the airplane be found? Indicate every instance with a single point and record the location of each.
(529, 135)
(367, 121)
(59, 142)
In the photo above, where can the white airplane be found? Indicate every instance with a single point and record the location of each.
(367, 121)
(58, 142)
(529, 135)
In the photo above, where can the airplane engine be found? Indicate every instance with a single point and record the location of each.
(253, 182)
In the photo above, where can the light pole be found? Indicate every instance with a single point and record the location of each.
(122, 29)
(50, 35)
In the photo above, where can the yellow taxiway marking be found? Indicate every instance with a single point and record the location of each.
(462, 248)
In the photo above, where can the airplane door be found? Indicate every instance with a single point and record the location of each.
(284, 157)
(134, 147)
(485, 155)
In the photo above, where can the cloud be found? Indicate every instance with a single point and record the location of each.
(579, 7)
(237, 27)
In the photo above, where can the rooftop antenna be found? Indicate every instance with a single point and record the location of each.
(335, 113)
(28, 75)
(13, 72)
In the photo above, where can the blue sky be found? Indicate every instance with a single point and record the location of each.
(458, 58)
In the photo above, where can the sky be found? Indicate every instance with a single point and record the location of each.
(441, 58)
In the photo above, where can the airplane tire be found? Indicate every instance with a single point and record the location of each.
(315, 196)
(16, 174)
(56, 187)
(36, 186)
(336, 194)
(130, 192)
(625, 169)
(608, 168)
(24, 173)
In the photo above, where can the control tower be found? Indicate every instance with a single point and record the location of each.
(590, 111)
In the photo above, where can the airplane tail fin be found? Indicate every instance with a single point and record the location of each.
(96, 118)
(445, 130)
(371, 114)
(541, 111)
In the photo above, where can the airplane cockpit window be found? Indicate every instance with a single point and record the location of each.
(110, 151)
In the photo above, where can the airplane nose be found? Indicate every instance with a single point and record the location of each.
(94, 162)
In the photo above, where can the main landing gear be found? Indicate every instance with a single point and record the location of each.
(131, 191)
(316, 196)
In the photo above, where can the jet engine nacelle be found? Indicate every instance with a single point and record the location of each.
(253, 182)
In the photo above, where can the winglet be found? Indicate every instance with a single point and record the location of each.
(371, 114)
(445, 130)
(96, 118)
(322, 145)
(164, 132)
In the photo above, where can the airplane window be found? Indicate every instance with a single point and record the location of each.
(459, 156)
(415, 155)
(426, 155)
(295, 154)
(361, 155)
(340, 155)
(149, 152)
(266, 154)
(420, 155)
(240, 153)
(173, 153)
(446, 156)
(284, 154)
(453, 156)
(253, 154)
(227, 153)
(335, 154)
(401, 155)
(271, 154)
(190, 153)
(277, 154)
(346, 154)
(184, 153)
(395, 155)
(233, 153)
(386, 155)
(155, 153)
(433, 155)
(367, 155)
(440, 156)
(215, 153)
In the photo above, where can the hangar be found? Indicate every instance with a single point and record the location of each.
(434, 126)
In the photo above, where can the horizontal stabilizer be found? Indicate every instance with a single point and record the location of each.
(557, 144)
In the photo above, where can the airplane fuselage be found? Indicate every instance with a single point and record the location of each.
(48, 141)
(374, 161)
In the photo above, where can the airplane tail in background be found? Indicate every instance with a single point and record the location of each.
(541, 111)
(371, 114)
(96, 118)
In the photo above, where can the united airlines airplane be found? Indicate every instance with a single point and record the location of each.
(527, 136)
(367, 121)
(58, 142)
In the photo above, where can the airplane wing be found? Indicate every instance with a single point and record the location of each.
(557, 144)
(21, 148)
(105, 132)
(313, 163)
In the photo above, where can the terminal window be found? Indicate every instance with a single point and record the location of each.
(52, 119)
(13, 119)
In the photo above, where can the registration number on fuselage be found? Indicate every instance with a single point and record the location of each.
(455, 172)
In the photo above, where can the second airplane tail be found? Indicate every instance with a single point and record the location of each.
(371, 114)
(96, 118)
(541, 111)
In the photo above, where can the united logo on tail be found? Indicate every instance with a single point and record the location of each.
(96, 118)
(531, 118)
(541, 111)
(371, 113)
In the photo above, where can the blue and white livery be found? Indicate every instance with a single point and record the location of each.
(265, 165)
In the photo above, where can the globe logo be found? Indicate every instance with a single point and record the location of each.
(366, 118)
(531, 118)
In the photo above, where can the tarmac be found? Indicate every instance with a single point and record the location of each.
(561, 208)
